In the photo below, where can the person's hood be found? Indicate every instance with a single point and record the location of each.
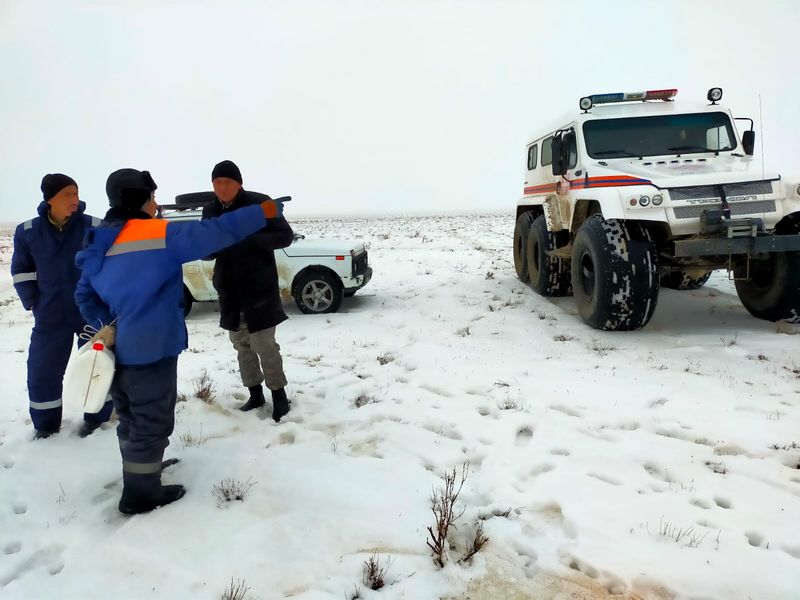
(98, 241)
(44, 208)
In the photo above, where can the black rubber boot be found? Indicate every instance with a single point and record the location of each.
(42, 434)
(135, 505)
(280, 404)
(256, 399)
(88, 429)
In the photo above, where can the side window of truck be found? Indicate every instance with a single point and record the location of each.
(572, 145)
(533, 155)
(717, 139)
(547, 151)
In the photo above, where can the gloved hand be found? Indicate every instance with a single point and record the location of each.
(272, 209)
(107, 335)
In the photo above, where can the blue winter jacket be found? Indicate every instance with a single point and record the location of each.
(43, 266)
(132, 275)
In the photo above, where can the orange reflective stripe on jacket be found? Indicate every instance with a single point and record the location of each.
(138, 235)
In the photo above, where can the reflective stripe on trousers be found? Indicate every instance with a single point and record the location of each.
(23, 277)
(46, 405)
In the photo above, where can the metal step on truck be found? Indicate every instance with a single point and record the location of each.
(639, 191)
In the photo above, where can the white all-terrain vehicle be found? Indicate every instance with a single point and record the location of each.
(317, 274)
(639, 191)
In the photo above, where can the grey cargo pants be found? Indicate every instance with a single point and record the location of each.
(259, 357)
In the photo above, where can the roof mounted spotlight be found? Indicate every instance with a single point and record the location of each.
(586, 103)
(714, 95)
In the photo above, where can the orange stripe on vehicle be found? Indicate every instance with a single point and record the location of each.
(138, 230)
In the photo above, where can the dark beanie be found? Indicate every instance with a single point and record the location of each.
(227, 168)
(129, 188)
(52, 183)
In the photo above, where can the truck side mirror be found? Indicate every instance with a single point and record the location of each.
(555, 150)
(749, 141)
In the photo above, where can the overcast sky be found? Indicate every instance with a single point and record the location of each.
(359, 106)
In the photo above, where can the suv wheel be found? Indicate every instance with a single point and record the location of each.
(684, 280)
(773, 291)
(614, 274)
(317, 292)
(548, 275)
(187, 302)
(521, 230)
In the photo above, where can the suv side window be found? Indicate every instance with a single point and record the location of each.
(533, 155)
(547, 151)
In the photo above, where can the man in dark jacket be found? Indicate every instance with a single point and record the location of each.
(45, 275)
(132, 276)
(246, 279)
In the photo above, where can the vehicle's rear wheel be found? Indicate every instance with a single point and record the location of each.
(317, 292)
(772, 292)
(187, 302)
(685, 280)
(548, 275)
(521, 230)
(614, 274)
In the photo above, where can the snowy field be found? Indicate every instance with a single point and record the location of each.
(657, 464)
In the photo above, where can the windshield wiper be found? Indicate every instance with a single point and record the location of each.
(624, 153)
(696, 149)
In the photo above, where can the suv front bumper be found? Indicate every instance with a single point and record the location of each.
(359, 280)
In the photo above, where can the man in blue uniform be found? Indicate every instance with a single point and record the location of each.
(132, 276)
(45, 275)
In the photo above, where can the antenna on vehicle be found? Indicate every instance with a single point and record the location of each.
(761, 127)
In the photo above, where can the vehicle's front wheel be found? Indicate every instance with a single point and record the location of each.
(317, 292)
(548, 275)
(685, 280)
(772, 292)
(521, 230)
(614, 274)
(187, 302)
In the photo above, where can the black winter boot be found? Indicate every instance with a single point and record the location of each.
(41, 434)
(135, 505)
(280, 404)
(256, 399)
(88, 429)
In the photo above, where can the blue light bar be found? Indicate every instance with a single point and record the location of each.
(605, 98)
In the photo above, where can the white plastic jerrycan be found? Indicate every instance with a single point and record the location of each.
(88, 377)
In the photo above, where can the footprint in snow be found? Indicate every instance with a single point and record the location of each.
(605, 478)
(8, 464)
(524, 435)
(571, 412)
(700, 503)
(754, 538)
(12, 548)
(723, 502)
(49, 558)
(560, 452)
(20, 508)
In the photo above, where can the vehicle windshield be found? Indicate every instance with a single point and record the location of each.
(659, 135)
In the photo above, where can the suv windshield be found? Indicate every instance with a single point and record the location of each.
(659, 135)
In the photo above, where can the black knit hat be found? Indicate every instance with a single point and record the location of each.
(52, 183)
(129, 188)
(227, 168)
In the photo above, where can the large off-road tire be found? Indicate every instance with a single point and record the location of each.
(614, 274)
(773, 291)
(684, 280)
(521, 230)
(318, 292)
(188, 300)
(549, 276)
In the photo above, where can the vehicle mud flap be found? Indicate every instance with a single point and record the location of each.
(614, 274)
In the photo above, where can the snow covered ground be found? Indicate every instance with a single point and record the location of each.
(662, 463)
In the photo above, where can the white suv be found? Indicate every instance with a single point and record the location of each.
(317, 274)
